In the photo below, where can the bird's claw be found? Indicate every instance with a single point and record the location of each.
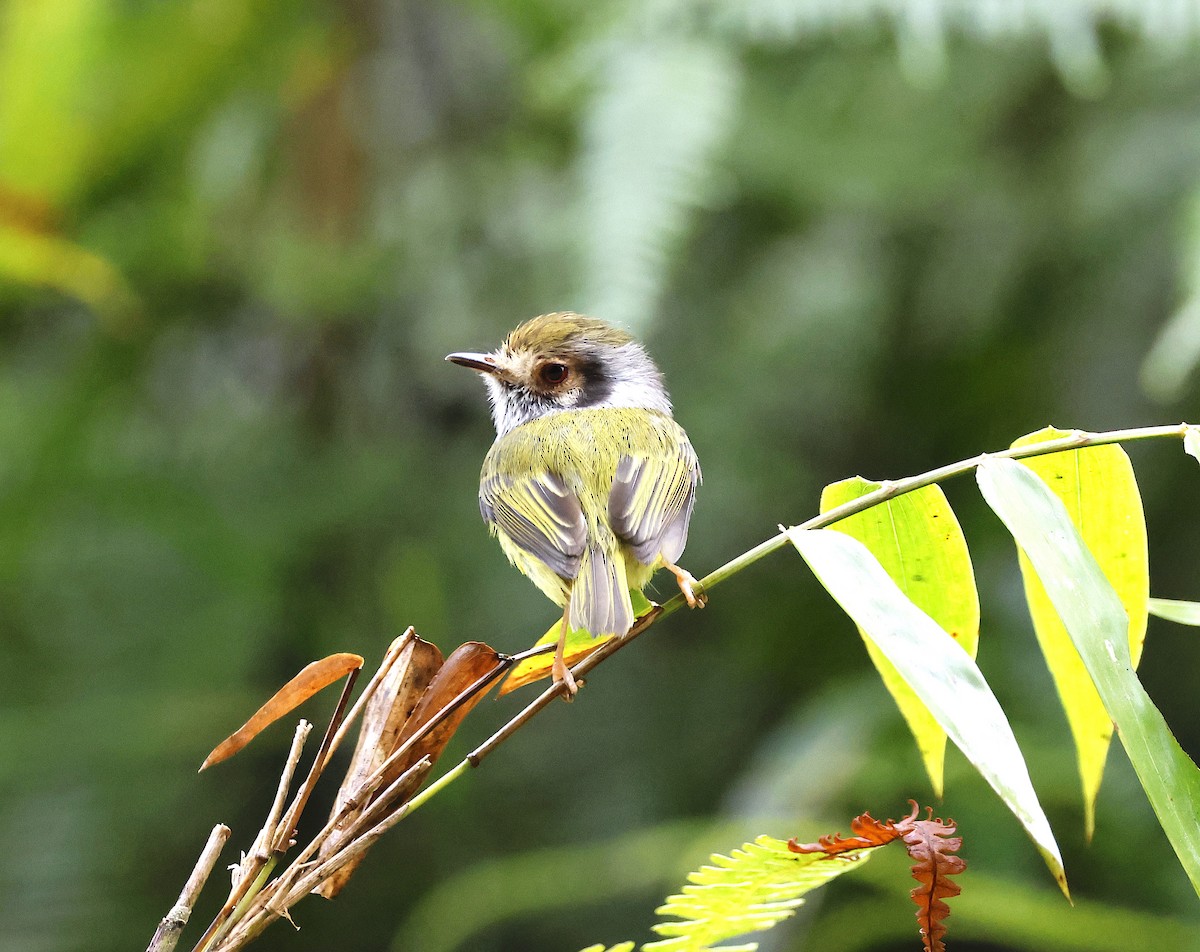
(692, 590)
(563, 674)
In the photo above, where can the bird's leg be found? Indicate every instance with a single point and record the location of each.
(687, 584)
(559, 669)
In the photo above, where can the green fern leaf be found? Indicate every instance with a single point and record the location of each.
(651, 134)
(757, 887)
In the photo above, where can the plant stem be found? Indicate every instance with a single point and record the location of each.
(1077, 439)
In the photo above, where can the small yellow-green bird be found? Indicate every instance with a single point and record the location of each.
(590, 484)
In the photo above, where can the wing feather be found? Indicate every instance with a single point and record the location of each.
(540, 515)
(650, 505)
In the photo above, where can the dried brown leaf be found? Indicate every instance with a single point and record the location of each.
(932, 847)
(314, 678)
(384, 718)
(389, 710)
(456, 687)
(446, 701)
(868, 832)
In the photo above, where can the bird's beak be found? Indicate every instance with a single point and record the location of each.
(484, 363)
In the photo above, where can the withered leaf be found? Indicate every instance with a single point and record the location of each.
(868, 832)
(315, 677)
(384, 717)
(389, 709)
(932, 846)
(471, 664)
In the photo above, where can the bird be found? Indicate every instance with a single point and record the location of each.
(590, 483)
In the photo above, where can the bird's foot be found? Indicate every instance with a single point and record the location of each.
(691, 588)
(562, 673)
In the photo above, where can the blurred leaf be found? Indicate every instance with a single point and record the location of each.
(919, 543)
(1097, 486)
(623, 947)
(536, 883)
(650, 138)
(315, 677)
(1098, 626)
(44, 99)
(578, 646)
(755, 888)
(1172, 609)
(46, 260)
(937, 668)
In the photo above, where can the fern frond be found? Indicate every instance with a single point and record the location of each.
(757, 887)
(650, 134)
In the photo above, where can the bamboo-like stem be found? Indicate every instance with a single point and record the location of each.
(167, 934)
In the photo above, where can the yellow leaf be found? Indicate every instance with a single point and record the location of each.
(578, 646)
(918, 541)
(1097, 486)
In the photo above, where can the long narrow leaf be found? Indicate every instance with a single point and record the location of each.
(937, 668)
(1172, 609)
(1097, 487)
(919, 543)
(1096, 622)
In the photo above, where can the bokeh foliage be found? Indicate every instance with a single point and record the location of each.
(237, 238)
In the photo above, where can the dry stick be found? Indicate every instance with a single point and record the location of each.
(167, 933)
(256, 861)
(1077, 439)
(505, 663)
(330, 831)
(287, 829)
(251, 928)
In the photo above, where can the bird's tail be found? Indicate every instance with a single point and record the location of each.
(600, 596)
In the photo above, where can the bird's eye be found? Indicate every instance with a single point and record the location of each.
(553, 374)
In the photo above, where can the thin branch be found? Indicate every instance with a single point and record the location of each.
(253, 864)
(167, 934)
(287, 829)
(889, 490)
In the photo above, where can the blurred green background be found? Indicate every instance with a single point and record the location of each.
(237, 238)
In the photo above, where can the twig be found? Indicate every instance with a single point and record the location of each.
(283, 835)
(1076, 440)
(167, 933)
(252, 865)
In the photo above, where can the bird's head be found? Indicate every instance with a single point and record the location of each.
(565, 361)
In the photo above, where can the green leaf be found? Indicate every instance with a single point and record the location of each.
(1098, 489)
(937, 668)
(919, 543)
(600, 947)
(1172, 609)
(757, 887)
(1097, 624)
(1191, 441)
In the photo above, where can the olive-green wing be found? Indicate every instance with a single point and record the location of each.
(651, 501)
(540, 515)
